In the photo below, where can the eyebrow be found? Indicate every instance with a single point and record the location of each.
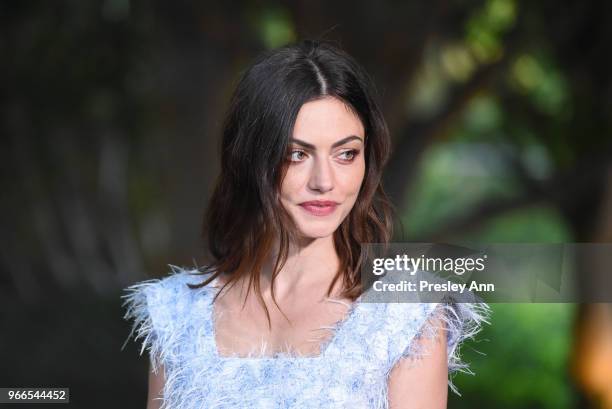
(334, 145)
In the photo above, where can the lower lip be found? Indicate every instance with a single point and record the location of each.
(319, 210)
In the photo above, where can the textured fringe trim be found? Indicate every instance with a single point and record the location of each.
(137, 309)
(460, 322)
(135, 302)
(145, 303)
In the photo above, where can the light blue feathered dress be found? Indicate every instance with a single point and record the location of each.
(175, 325)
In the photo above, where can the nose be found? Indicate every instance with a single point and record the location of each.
(321, 176)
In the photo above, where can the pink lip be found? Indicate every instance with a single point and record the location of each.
(319, 207)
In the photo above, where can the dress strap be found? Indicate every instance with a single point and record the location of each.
(164, 313)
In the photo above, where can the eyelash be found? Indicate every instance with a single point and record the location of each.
(353, 152)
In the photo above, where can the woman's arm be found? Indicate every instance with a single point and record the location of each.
(422, 383)
(156, 384)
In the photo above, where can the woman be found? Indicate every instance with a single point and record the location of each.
(274, 320)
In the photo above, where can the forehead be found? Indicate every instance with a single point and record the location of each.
(324, 121)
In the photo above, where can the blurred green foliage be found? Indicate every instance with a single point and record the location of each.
(274, 26)
(521, 360)
(537, 77)
(486, 27)
(527, 346)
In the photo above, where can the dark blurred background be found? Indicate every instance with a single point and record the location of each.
(500, 112)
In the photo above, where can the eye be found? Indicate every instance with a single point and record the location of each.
(348, 155)
(297, 156)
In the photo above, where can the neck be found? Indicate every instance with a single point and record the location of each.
(313, 262)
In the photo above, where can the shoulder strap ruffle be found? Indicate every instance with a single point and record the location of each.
(160, 309)
(461, 321)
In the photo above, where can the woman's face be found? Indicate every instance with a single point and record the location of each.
(326, 167)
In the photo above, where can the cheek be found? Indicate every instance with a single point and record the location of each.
(292, 183)
(353, 178)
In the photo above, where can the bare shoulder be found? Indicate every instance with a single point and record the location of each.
(422, 381)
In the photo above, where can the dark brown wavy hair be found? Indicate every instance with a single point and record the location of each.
(245, 223)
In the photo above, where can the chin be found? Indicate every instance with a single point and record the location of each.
(316, 232)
